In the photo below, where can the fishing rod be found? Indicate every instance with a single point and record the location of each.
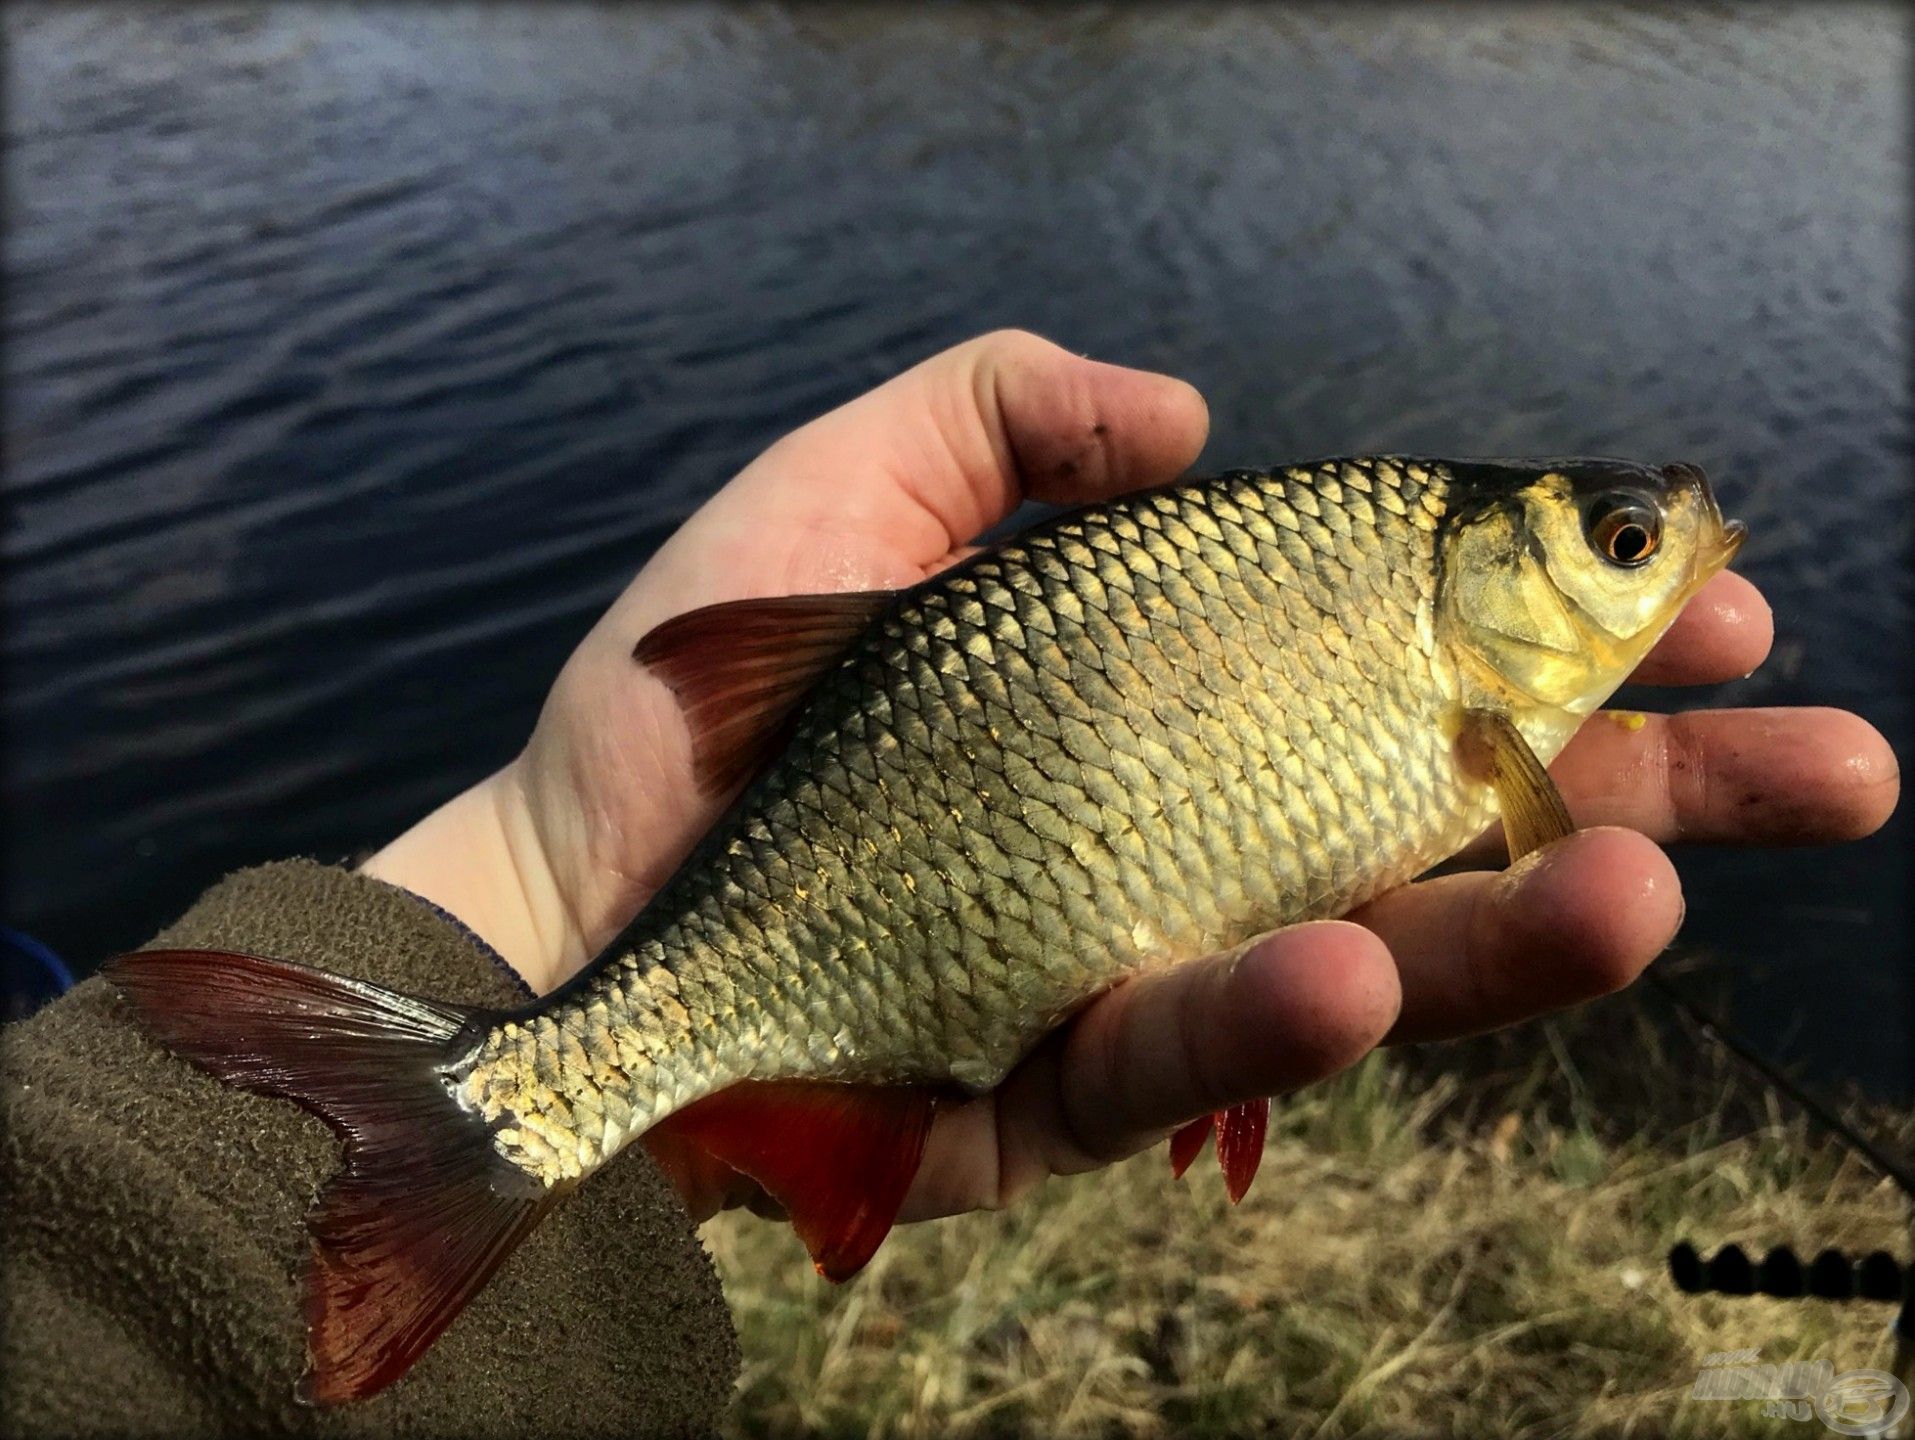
(1780, 1274)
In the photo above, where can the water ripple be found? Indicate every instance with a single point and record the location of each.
(358, 355)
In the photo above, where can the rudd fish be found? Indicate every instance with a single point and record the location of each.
(1138, 734)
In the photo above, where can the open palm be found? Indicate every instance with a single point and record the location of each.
(553, 855)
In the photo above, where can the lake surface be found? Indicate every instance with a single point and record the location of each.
(356, 357)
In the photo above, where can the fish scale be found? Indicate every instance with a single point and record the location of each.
(1143, 732)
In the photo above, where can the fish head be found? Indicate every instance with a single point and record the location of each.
(1559, 575)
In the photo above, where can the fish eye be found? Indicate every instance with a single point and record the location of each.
(1624, 530)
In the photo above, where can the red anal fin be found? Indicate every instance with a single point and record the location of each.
(1188, 1143)
(1240, 1131)
(838, 1158)
(740, 670)
(696, 1173)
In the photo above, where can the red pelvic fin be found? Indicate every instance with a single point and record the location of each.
(1188, 1143)
(424, 1210)
(740, 670)
(838, 1158)
(1240, 1131)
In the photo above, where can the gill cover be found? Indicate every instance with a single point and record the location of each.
(1559, 575)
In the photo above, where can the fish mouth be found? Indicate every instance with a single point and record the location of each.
(1722, 538)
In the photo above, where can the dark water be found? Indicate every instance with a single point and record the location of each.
(356, 358)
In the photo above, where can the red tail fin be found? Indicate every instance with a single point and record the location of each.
(424, 1210)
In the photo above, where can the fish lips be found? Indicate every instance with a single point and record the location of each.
(1718, 550)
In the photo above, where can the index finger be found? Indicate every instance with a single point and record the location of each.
(1723, 633)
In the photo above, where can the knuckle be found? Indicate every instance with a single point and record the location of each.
(1012, 342)
(1198, 1044)
(1682, 776)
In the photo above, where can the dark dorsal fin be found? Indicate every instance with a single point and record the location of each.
(740, 670)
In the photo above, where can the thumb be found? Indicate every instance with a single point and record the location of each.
(964, 437)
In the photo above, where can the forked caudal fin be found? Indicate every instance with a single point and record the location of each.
(424, 1210)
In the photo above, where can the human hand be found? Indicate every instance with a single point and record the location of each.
(552, 856)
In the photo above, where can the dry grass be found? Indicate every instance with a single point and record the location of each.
(1413, 1261)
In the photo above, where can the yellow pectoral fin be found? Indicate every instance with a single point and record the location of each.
(1493, 749)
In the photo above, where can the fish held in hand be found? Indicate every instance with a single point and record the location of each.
(1138, 734)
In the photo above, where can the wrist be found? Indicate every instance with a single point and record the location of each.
(478, 858)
